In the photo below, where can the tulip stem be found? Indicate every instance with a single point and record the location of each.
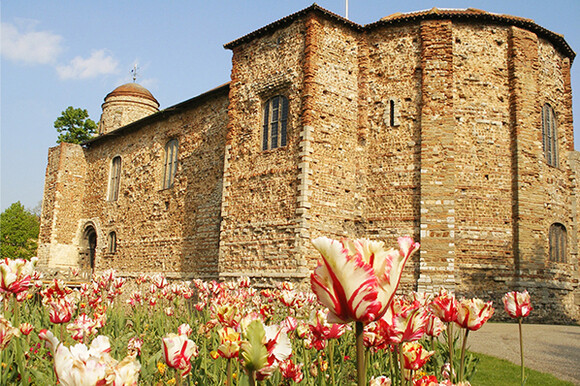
(462, 363)
(331, 361)
(521, 350)
(360, 354)
(402, 365)
(450, 346)
(229, 371)
(252, 376)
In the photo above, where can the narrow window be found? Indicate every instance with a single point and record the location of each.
(115, 179)
(112, 242)
(392, 107)
(549, 135)
(275, 122)
(558, 242)
(170, 166)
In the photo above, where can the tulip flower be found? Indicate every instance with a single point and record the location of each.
(229, 343)
(357, 280)
(92, 365)
(61, 310)
(7, 332)
(26, 328)
(518, 305)
(471, 315)
(322, 331)
(83, 326)
(290, 370)
(79, 364)
(414, 355)
(177, 351)
(434, 326)
(134, 346)
(125, 373)
(184, 329)
(444, 306)
(16, 275)
(408, 323)
(383, 380)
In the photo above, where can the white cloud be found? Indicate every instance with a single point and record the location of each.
(31, 47)
(99, 63)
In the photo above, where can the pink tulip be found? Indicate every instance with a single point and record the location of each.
(517, 304)
(473, 313)
(177, 351)
(357, 279)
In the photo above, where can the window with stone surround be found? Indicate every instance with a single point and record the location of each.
(115, 179)
(549, 135)
(170, 165)
(112, 242)
(558, 242)
(275, 122)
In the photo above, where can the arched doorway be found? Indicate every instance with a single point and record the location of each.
(88, 251)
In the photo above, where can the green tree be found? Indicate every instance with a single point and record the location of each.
(74, 126)
(18, 232)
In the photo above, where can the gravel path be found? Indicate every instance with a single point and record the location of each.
(547, 348)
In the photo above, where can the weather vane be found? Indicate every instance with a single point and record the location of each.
(134, 72)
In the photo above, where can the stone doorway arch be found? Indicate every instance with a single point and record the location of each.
(88, 251)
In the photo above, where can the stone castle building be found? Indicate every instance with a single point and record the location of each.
(452, 126)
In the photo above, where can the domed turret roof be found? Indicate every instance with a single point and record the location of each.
(134, 90)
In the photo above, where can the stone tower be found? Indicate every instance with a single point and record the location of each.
(126, 104)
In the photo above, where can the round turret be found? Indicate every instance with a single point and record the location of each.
(126, 104)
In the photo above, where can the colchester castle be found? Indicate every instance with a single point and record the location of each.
(451, 126)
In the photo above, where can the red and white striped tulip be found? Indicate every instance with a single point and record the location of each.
(16, 275)
(517, 304)
(357, 279)
(473, 313)
(177, 351)
(414, 355)
(444, 306)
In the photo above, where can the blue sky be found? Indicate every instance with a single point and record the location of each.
(56, 54)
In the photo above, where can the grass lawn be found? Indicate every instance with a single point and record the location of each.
(493, 372)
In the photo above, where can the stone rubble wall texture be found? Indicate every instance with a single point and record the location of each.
(428, 128)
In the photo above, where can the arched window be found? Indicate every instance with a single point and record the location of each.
(275, 122)
(115, 179)
(549, 135)
(558, 242)
(112, 242)
(170, 166)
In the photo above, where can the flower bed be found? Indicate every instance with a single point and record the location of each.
(351, 329)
